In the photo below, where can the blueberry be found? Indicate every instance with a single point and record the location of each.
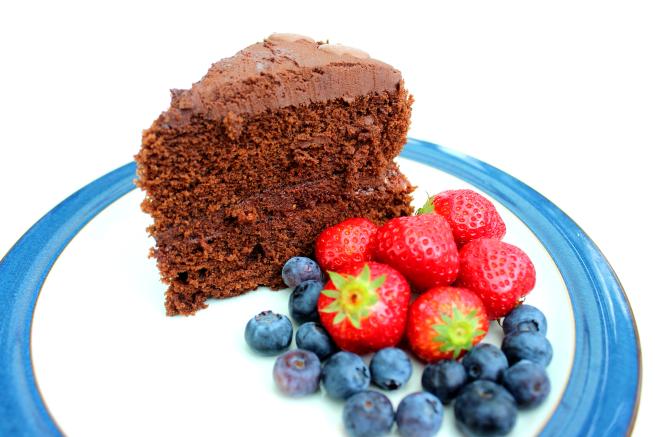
(303, 300)
(485, 408)
(368, 414)
(297, 372)
(527, 382)
(444, 379)
(525, 318)
(527, 345)
(269, 333)
(345, 374)
(313, 337)
(485, 361)
(419, 415)
(300, 269)
(390, 368)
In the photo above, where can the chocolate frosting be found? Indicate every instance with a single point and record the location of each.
(281, 71)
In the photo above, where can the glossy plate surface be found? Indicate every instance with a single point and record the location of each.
(98, 356)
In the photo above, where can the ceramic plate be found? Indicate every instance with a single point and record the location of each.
(85, 347)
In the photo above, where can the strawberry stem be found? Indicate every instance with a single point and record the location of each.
(353, 297)
(428, 206)
(457, 333)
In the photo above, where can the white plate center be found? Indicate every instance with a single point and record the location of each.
(109, 362)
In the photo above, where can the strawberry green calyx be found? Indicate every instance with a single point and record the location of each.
(427, 208)
(457, 333)
(354, 296)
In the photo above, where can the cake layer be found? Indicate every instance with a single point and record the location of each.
(239, 156)
(260, 204)
(227, 260)
(201, 238)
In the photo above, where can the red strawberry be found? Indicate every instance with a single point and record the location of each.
(421, 248)
(469, 214)
(364, 308)
(444, 322)
(345, 244)
(497, 272)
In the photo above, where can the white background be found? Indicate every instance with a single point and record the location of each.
(558, 94)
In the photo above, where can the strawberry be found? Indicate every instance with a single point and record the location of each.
(469, 214)
(346, 243)
(421, 248)
(444, 322)
(364, 308)
(498, 272)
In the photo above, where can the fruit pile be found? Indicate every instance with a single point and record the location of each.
(435, 279)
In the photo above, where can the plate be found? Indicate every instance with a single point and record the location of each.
(85, 347)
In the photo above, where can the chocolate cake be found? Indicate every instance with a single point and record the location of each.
(273, 145)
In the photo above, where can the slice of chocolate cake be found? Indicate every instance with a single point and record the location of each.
(272, 146)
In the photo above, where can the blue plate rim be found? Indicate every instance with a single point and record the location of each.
(602, 394)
